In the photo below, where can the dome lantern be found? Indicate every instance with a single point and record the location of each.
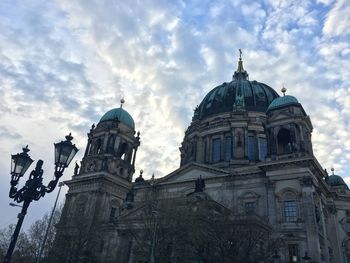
(240, 73)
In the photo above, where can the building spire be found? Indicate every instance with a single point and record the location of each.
(240, 73)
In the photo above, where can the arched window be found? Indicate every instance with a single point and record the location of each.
(293, 253)
(262, 149)
(249, 207)
(123, 149)
(80, 206)
(252, 148)
(193, 151)
(112, 214)
(88, 148)
(249, 203)
(216, 150)
(113, 210)
(284, 141)
(290, 209)
(97, 146)
(228, 148)
(110, 144)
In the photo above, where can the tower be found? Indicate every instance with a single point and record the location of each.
(288, 128)
(98, 189)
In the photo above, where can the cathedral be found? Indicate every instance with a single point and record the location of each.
(247, 152)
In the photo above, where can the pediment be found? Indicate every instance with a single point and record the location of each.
(191, 172)
(144, 211)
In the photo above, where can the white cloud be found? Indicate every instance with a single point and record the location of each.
(325, 2)
(338, 19)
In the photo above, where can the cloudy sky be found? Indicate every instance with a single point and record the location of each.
(65, 63)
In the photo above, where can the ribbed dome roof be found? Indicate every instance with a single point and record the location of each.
(282, 102)
(240, 93)
(335, 180)
(119, 114)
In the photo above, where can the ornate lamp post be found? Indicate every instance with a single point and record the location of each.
(34, 188)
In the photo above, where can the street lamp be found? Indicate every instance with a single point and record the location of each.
(34, 188)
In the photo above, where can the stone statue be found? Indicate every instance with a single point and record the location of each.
(76, 168)
(199, 185)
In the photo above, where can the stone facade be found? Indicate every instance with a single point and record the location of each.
(258, 161)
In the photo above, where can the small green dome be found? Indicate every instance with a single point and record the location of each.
(282, 102)
(335, 180)
(119, 114)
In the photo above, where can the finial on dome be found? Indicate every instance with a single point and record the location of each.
(240, 62)
(284, 90)
(240, 73)
(122, 101)
(332, 169)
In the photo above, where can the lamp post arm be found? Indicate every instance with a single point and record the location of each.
(53, 183)
(17, 230)
(13, 191)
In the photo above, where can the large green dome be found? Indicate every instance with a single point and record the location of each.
(240, 93)
(119, 114)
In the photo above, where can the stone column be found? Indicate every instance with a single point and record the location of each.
(308, 210)
(206, 149)
(222, 149)
(233, 143)
(324, 230)
(271, 211)
(104, 143)
(209, 150)
(88, 148)
(245, 143)
(333, 225)
(116, 144)
(200, 155)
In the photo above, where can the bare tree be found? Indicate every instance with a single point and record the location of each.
(37, 231)
(197, 229)
(76, 242)
(29, 242)
(21, 252)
